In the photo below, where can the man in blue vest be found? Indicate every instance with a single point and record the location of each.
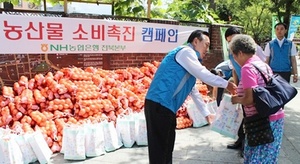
(281, 54)
(173, 81)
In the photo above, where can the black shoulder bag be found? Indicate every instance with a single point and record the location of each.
(258, 130)
(277, 92)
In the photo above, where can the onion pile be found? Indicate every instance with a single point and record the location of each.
(75, 96)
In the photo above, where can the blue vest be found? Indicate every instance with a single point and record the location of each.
(226, 70)
(236, 66)
(280, 56)
(165, 86)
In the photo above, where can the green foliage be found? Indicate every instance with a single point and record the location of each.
(242, 13)
(157, 12)
(253, 15)
(256, 20)
(12, 1)
(132, 8)
(136, 8)
(285, 8)
(191, 10)
(15, 2)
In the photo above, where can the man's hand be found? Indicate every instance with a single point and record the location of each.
(295, 78)
(231, 87)
(210, 118)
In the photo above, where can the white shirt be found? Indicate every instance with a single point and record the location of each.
(187, 58)
(293, 50)
(260, 53)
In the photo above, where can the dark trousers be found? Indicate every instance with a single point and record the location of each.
(285, 75)
(220, 92)
(161, 125)
(241, 133)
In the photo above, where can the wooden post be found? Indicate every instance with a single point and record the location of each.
(65, 6)
(45, 5)
(149, 9)
(113, 7)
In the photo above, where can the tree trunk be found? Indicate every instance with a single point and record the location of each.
(212, 4)
(287, 14)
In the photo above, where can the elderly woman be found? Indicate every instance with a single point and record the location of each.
(243, 48)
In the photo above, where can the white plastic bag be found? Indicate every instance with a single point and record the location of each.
(126, 128)
(140, 129)
(27, 151)
(195, 114)
(74, 142)
(10, 151)
(212, 106)
(2, 132)
(228, 118)
(40, 147)
(94, 140)
(111, 138)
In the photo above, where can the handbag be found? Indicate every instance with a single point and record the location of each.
(272, 97)
(258, 130)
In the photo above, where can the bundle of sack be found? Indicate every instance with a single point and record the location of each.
(79, 140)
(96, 139)
(18, 147)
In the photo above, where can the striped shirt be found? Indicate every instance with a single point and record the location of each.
(251, 78)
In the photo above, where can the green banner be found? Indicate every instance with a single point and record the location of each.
(275, 20)
(224, 43)
(294, 29)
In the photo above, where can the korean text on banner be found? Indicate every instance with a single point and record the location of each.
(74, 35)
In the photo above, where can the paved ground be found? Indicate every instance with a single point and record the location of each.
(203, 146)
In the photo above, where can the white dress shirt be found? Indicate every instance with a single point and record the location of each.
(260, 53)
(293, 50)
(187, 58)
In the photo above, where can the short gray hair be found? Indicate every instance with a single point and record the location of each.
(243, 43)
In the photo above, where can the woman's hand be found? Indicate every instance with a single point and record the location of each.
(235, 99)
